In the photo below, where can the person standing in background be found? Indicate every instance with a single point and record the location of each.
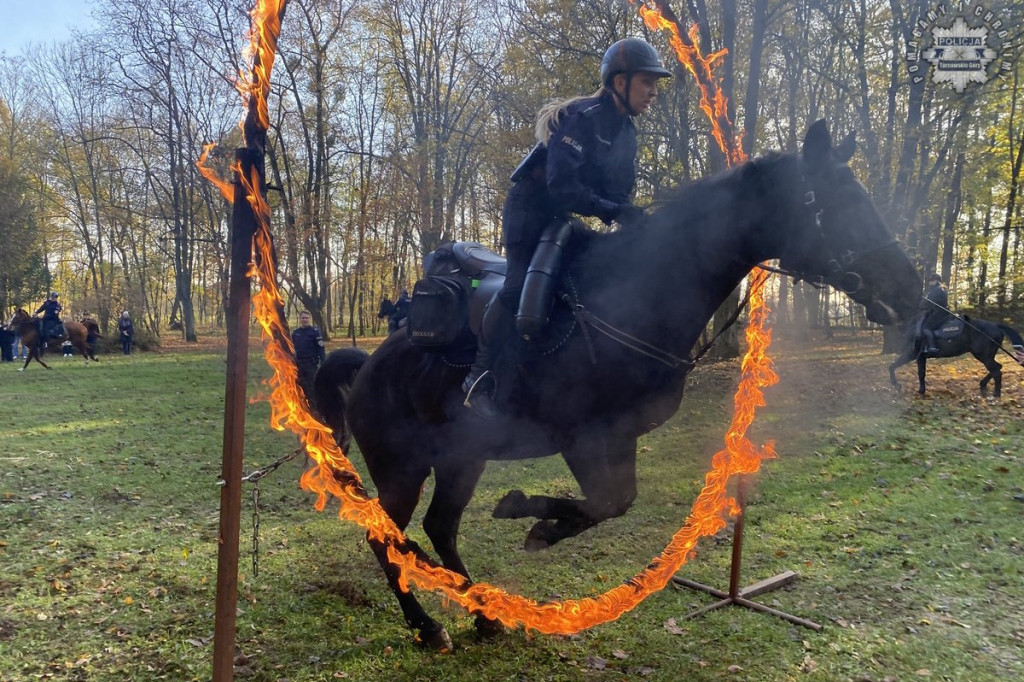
(309, 352)
(127, 332)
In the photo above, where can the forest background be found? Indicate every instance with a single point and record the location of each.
(395, 127)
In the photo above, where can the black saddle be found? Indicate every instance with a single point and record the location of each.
(448, 304)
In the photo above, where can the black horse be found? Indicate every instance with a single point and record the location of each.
(959, 335)
(588, 396)
(388, 309)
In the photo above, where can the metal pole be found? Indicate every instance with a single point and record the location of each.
(243, 226)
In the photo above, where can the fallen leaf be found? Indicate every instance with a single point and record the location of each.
(672, 628)
(620, 654)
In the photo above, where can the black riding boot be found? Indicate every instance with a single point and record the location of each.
(929, 341)
(479, 385)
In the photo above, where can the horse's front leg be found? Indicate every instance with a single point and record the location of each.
(398, 491)
(34, 354)
(901, 360)
(454, 484)
(605, 467)
(922, 364)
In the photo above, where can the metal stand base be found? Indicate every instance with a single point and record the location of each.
(739, 597)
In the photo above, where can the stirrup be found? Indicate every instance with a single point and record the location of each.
(482, 404)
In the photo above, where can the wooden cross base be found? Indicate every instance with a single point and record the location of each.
(741, 598)
(735, 595)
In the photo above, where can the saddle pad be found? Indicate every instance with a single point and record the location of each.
(950, 329)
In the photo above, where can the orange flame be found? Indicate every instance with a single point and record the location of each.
(712, 100)
(335, 476)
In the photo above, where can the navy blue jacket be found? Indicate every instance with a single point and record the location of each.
(933, 315)
(309, 345)
(591, 159)
(50, 309)
(587, 167)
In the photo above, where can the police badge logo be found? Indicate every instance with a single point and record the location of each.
(962, 43)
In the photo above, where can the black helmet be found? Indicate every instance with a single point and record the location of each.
(935, 277)
(53, 294)
(629, 55)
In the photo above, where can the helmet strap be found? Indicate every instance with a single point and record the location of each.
(624, 101)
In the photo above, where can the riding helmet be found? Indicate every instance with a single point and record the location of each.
(630, 55)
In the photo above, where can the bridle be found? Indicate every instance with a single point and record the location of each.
(838, 269)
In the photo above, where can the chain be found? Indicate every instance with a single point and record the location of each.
(256, 530)
(254, 478)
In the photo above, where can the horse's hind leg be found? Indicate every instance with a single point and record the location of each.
(995, 374)
(399, 492)
(453, 488)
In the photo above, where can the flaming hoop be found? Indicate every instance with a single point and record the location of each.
(334, 476)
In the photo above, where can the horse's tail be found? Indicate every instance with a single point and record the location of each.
(331, 387)
(1016, 341)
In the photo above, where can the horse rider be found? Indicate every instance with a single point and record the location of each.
(51, 324)
(583, 163)
(401, 310)
(309, 352)
(934, 310)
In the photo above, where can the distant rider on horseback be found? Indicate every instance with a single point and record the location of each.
(934, 310)
(51, 324)
(583, 163)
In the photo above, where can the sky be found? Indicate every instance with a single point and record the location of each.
(40, 21)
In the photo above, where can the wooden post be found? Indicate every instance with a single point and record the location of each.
(243, 226)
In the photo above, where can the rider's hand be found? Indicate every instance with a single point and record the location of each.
(629, 214)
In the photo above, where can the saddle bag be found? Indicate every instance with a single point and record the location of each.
(438, 313)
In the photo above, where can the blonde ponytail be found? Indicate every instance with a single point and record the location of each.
(551, 113)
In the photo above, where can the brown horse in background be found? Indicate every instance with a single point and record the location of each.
(76, 332)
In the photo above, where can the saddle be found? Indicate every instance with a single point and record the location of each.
(448, 304)
(462, 278)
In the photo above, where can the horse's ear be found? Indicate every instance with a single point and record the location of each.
(817, 144)
(846, 148)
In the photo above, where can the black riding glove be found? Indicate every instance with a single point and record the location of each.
(629, 214)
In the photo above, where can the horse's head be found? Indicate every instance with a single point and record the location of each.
(386, 308)
(90, 324)
(841, 239)
(19, 318)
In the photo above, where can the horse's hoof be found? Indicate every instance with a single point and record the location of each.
(510, 506)
(437, 640)
(488, 627)
(541, 536)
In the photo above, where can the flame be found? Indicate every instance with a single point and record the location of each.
(712, 100)
(334, 476)
(227, 190)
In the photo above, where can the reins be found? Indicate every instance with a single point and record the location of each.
(585, 319)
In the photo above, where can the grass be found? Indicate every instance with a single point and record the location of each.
(901, 514)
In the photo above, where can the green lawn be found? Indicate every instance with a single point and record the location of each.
(902, 516)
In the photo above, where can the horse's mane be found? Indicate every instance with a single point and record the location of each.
(688, 193)
(694, 199)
